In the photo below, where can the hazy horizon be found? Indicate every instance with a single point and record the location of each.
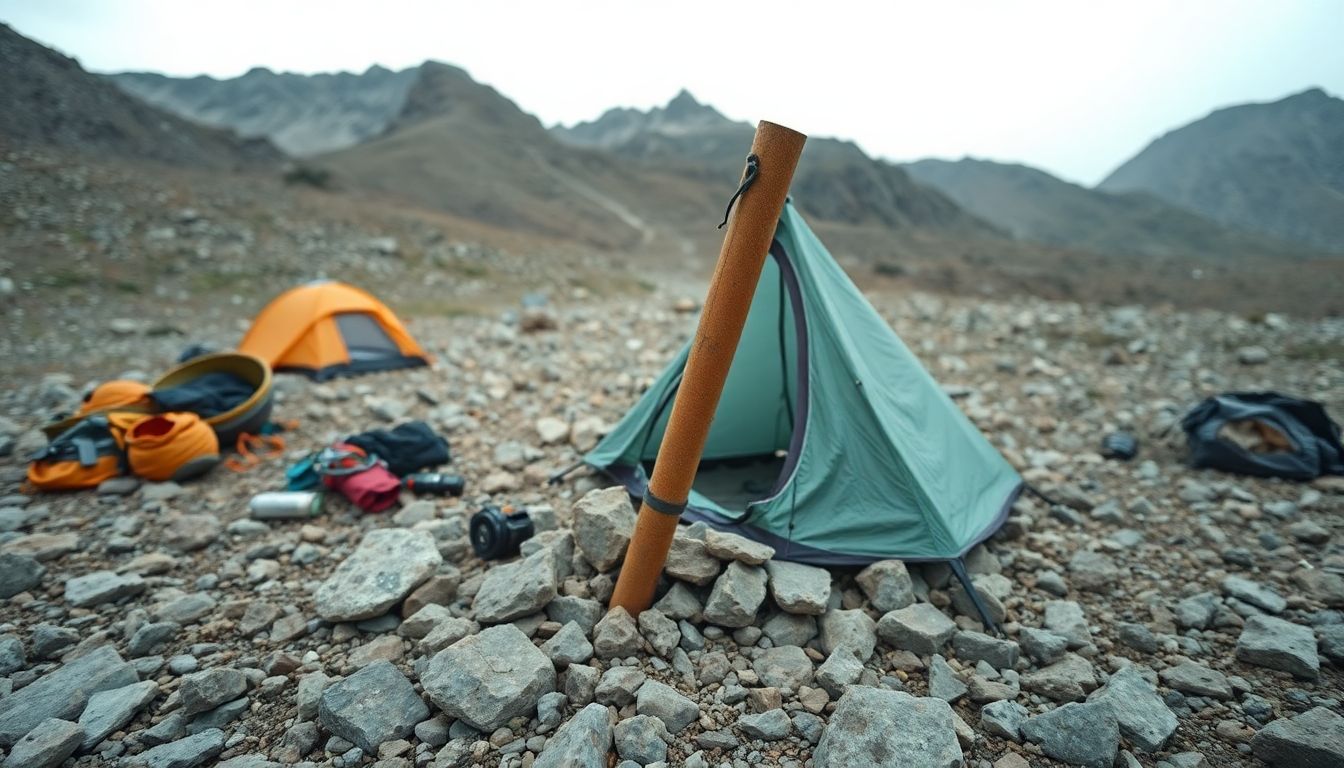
(1074, 91)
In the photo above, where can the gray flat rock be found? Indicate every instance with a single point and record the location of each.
(382, 571)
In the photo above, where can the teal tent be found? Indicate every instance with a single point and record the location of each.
(831, 442)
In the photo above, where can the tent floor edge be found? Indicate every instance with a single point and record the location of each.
(958, 567)
(560, 476)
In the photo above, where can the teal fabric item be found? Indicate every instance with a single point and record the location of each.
(301, 476)
(871, 459)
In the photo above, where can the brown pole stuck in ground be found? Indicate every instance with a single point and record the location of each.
(752, 228)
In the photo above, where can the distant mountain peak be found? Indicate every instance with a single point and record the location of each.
(1274, 167)
(443, 90)
(50, 100)
(684, 107)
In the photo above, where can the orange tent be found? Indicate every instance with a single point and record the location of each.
(327, 329)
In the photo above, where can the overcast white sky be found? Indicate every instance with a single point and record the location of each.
(1067, 86)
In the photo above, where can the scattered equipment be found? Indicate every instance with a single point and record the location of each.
(1265, 434)
(1120, 445)
(286, 505)
(435, 483)
(499, 532)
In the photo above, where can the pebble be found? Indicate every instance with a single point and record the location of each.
(851, 629)
(665, 703)
(62, 693)
(603, 522)
(188, 752)
(18, 573)
(110, 710)
(771, 725)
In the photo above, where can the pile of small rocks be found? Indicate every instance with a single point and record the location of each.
(1154, 616)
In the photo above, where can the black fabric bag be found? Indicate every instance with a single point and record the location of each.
(1295, 438)
(206, 396)
(407, 448)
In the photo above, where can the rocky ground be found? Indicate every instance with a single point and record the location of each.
(1156, 616)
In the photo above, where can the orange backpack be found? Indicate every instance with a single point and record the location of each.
(84, 455)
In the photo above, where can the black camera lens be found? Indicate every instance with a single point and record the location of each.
(496, 533)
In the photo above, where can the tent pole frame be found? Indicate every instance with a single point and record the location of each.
(958, 567)
(751, 229)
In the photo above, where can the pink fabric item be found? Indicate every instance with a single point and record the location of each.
(372, 490)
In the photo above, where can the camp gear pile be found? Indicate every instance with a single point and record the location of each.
(173, 432)
(406, 448)
(1264, 434)
(367, 468)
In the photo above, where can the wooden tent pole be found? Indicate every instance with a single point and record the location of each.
(750, 231)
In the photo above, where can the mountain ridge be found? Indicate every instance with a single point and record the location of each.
(1031, 204)
(50, 100)
(1276, 167)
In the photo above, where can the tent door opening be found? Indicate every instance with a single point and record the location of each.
(758, 426)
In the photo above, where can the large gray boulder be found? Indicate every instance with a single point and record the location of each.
(603, 523)
(583, 741)
(47, 745)
(799, 588)
(382, 571)
(738, 593)
(194, 750)
(109, 710)
(203, 691)
(101, 587)
(63, 693)
(852, 629)
(1313, 739)
(871, 726)
(920, 628)
(1143, 717)
(1078, 734)
(1271, 642)
(18, 573)
(375, 705)
(888, 585)
(518, 589)
(490, 678)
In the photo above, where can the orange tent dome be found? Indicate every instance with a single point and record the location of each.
(327, 329)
